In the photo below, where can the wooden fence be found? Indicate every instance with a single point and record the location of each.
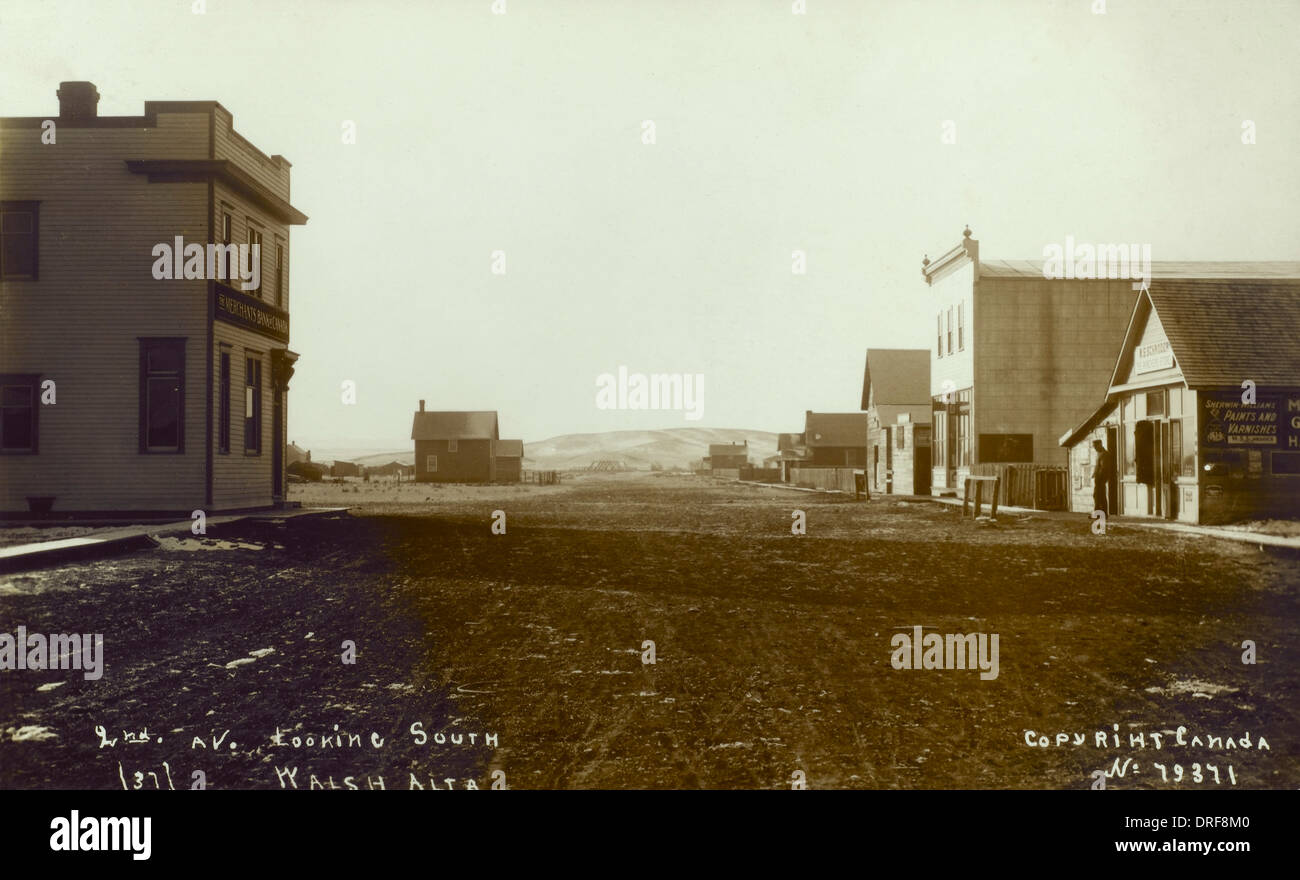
(1039, 486)
(761, 475)
(824, 478)
(541, 478)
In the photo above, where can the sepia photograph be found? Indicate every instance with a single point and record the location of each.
(785, 395)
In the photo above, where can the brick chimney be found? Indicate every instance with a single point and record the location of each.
(78, 100)
(421, 406)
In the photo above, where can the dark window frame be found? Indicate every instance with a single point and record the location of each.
(253, 423)
(279, 274)
(223, 402)
(146, 344)
(32, 381)
(256, 235)
(22, 207)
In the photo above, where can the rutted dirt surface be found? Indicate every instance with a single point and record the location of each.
(772, 650)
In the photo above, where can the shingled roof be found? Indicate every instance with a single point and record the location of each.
(835, 429)
(455, 425)
(1223, 332)
(899, 376)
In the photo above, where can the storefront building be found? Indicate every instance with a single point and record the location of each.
(1202, 413)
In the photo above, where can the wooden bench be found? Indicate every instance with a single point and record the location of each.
(979, 482)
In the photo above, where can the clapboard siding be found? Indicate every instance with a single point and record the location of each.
(231, 145)
(79, 324)
(226, 200)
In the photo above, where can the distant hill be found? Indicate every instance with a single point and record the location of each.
(669, 447)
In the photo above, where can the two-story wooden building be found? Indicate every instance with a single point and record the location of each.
(139, 375)
(1019, 356)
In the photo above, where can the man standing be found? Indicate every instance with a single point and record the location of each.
(1101, 472)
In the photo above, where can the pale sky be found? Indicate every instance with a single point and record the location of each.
(774, 132)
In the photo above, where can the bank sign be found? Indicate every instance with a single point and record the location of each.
(250, 312)
(1272, 421)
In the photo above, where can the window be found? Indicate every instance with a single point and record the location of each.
(1006, 448)
(1156, 403)
(940, 436)
(1285, 463)
(223, 403)
(1175, 453)
(431, 464)
(19, 229)
(938, 346)
(18, 413)
(279, 274)
(162, 395)
(255, 253)
(902, 437)
(453, 446)
(949, 330)
(253, 406)
(225, 227)
(963, 436)
(961, 326)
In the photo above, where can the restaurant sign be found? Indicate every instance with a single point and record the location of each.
(1271, 420)
(250, 312)
(1151, 356)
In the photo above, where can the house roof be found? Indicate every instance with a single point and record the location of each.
(1167, 269)
(788, 442)
(510, 449)
(898, 375)
(1226, 331)
(836, 429)
(888, 413)
(448, 425)
(729, 448)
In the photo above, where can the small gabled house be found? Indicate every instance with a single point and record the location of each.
(791, 452)
(835, 439)
(1202, 414)
(510, 461)
(455, 446)
(728, 456)
(896, 398)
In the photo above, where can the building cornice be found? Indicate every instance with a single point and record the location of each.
(202, 170)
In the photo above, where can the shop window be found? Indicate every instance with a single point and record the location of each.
(162, 395)
(19, 409)
(963, 436)
(1006, 448)
(1286, 463)
(255, 253)
(1130, 449)
(940, 438)
(1155, 403)
(1144, 449)
(1175, 446)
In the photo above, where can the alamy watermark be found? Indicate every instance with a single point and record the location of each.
(670, 391)
(951, 651)
(56, 651)
(1089, 261)
(219, 262)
